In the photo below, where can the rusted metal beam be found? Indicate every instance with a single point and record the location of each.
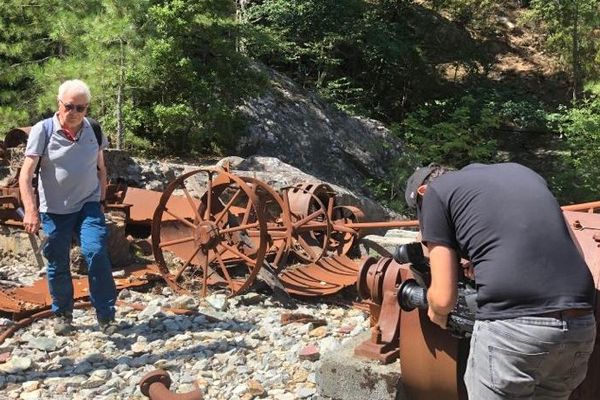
(590, 207)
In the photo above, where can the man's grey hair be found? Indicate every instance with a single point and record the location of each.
(74, 86)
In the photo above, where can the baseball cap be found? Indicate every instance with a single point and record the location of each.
(413, 183)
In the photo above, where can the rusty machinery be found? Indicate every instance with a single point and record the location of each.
(433, 360)
(240, 224)
(224, 230)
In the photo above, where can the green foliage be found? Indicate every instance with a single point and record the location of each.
(361, 56)
(190, 77)
(24, 45)
(476, 13)
(175, 64)
(571, 27)
(579, 180)
(451, 132)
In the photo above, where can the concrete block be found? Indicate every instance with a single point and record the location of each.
(385, 246)
(340, 375)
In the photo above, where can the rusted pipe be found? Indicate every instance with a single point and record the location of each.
(586, 207)
(155, 385)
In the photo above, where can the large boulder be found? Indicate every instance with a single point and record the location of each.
(300, 129)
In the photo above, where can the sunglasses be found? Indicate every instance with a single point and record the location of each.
(77, 107)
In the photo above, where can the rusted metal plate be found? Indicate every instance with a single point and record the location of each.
(585, 229)
(326, 276)
(10, 304)
(29, 299)
(144, 202)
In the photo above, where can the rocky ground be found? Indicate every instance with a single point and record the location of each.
(229, 348)
(235, 348)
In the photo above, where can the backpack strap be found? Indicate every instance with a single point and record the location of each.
(48, 128)
(97, 130)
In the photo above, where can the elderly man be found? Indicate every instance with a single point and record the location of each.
(534, 329)
(71, 190)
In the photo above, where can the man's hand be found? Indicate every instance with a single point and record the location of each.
(468, 271)
(31, 221)
(438, 319)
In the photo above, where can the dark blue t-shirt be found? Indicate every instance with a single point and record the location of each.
(504, 219)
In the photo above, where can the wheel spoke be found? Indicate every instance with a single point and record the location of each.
(306, 247)
(228, 206)
(239, 253)
(308, 218)
(247, 212)
(280, 252)
(176, 241)
(180, 219)
(204, 274)
(239, 228)
(225, 272)
(192, 204)
(187, 263)
(209, 190)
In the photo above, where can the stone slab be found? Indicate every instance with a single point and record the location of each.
(385, 246)
(341, 375)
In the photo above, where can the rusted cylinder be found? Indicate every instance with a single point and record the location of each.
(432, 361)
(155, 385)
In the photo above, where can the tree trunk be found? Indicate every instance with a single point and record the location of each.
(120, 125)
(577, 78)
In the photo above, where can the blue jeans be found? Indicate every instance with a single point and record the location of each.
(529, 357)
(89, 225)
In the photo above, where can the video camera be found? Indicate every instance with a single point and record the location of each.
(413, 292)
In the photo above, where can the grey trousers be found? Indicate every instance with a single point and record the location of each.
(529, 357)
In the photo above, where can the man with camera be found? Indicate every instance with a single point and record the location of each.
(534, 329)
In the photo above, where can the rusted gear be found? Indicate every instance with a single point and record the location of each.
(221, 237)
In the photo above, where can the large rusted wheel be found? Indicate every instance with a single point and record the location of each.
(309, 225)
(219, 238)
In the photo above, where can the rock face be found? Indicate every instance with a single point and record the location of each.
(279, 175)
(300, 129)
